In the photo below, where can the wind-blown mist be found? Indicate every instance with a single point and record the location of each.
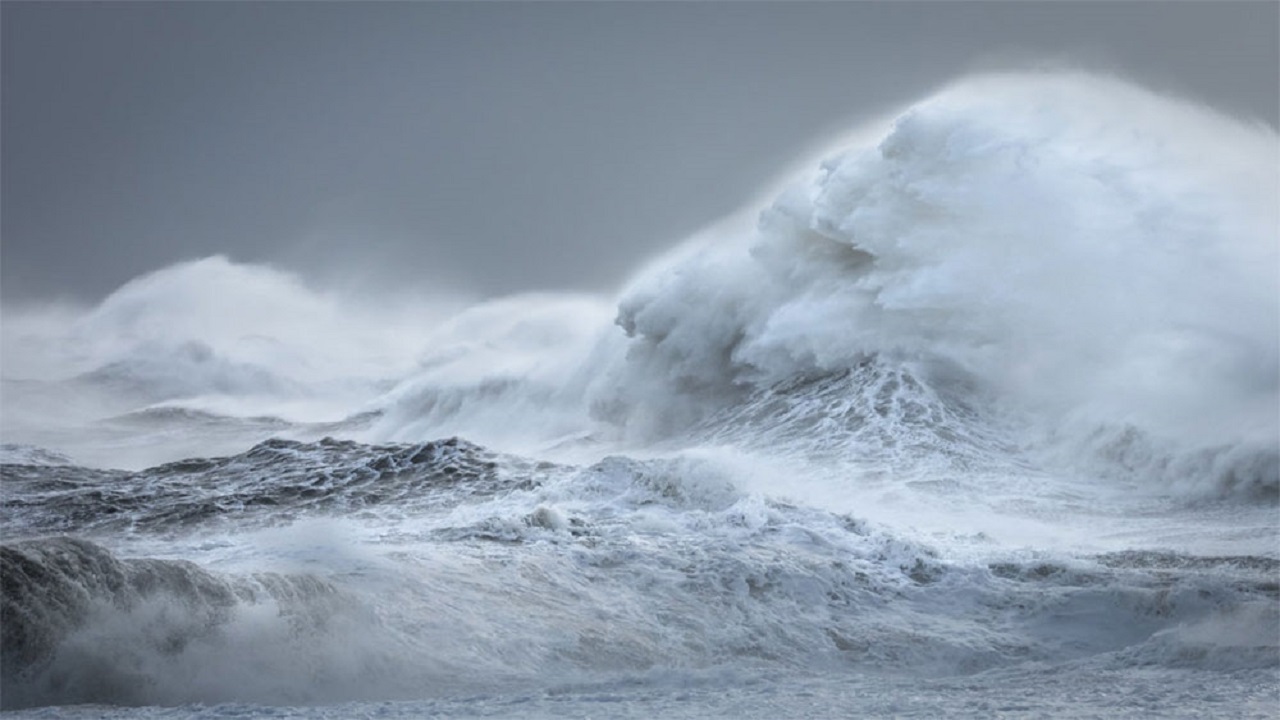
(1032, 316)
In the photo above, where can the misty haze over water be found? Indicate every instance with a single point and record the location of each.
(681, 360)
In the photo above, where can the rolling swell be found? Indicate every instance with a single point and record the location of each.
(274, 481)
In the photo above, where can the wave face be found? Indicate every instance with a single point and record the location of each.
(986, 403)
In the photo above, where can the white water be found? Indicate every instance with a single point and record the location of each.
(1033, 319)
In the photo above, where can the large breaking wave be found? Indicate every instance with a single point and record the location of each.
(996, 383)
(1084, 253)
(1083, 259)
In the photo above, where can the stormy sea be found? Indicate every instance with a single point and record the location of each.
(976, 416)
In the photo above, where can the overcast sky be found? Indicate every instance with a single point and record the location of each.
(494, 147)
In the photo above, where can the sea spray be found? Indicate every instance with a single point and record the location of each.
(985, 402)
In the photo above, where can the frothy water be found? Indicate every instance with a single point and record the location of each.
(987, 398)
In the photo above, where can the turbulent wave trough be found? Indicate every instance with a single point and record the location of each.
(980, 414)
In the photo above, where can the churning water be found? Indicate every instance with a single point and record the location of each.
(981, 417)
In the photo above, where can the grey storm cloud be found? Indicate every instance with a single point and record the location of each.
(497, 147)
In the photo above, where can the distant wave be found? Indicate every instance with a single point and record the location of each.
(210, 336)
(272, 477)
